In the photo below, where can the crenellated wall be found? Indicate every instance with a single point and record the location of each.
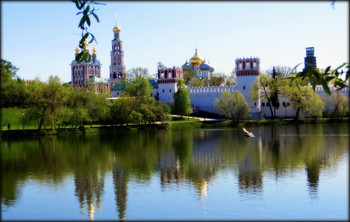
(203, 98)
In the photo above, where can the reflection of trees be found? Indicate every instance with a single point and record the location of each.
(120, 179)
(88, 186)
(194, 159)
(138, 152)
(250, 169)
(50, 159)
(289, 147)
(190, 156)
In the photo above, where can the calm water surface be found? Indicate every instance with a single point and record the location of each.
(284, 173)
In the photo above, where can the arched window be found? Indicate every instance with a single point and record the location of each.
(114, 75)
(262, 104)
(243, 87)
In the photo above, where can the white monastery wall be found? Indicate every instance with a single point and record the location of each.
(204, 97)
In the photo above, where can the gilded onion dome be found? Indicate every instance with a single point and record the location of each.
(94, 51)
(116, 28)
(86, 46)
(196, 60)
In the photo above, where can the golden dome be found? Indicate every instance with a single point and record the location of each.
(116, 29)
(86, 45)
(77, 50)
(196, 60)
(94, 51)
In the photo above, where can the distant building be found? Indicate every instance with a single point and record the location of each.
(310, 59)
(83, 72)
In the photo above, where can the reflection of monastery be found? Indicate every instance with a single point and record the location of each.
(202, 98)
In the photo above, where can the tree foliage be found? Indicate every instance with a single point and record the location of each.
(46, 100)
(12, 89)
(139, 88)
(137, 73)
(265, 88)
(303, 98)
(87, 11)
(328, 76)
(233, 106)
(182, 102)
(188, 74)
(336, 105)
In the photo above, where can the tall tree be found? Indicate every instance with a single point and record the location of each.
(121, 110)
(182, 102)
(233, 106)
(13, 91)
(47, 100)
(189, 73)
(336, 105)
(303, 98)
(139, 88)
(265, 87)
(217, 79)
(137, 73)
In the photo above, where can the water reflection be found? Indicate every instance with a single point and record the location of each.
(120, 179)
(191, 157)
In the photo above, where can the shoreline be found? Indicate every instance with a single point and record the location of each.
(166, 126)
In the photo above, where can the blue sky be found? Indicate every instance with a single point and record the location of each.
(40, 37)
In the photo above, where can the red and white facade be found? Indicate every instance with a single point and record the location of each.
(82, 72)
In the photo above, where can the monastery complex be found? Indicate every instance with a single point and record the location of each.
(88, 74)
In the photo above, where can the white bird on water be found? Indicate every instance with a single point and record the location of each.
(247, 133)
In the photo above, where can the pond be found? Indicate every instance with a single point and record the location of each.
(294, 172)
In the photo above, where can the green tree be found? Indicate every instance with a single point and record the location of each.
(233, 106)
(46, 101)
(265, 88)
(80, 101)
(217, 79)
(336, 105)
(121, 109)
(98, 107)
(139, 88)
(13, 91)
(303, 98)
(137, 73)
(189, 73)
(182, 102)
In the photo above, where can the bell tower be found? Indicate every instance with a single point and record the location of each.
(117, 67)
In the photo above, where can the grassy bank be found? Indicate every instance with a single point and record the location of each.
(21, 129)
(183, 123)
